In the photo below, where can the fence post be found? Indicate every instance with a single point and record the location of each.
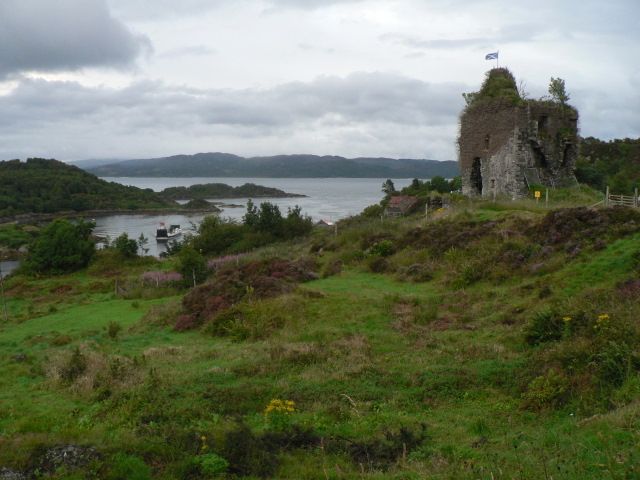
(546, 198)
(635, 197)
(606, 197)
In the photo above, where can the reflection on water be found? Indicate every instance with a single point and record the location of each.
(327, 198)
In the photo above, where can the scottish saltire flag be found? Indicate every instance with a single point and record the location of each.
(491, 56)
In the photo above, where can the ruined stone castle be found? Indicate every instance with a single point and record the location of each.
(508, 144)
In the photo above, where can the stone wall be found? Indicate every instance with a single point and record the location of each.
(515, 145)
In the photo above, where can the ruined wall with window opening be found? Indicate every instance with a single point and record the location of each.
(507, 144)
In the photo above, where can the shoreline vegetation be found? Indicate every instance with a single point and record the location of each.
(41, 190)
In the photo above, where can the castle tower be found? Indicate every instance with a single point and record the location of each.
(508, 143)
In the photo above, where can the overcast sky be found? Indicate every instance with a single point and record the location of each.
(141, 78)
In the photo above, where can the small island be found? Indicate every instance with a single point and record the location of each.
(210, 191)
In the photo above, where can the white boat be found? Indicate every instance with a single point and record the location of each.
(164, 234)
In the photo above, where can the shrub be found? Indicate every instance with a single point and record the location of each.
(247, 454)
(125, 246)
(545, 326)
(331, 268)
(129, 467)
(211, 464)
(192, 266)
(546, 391)
(75, 366)
(373, 211)
(378, 264)
(113, 329)
(417, 272)
(61, 247)
(383, 248)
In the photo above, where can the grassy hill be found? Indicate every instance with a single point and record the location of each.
(48, 186)
(285, 166)
(494, 341)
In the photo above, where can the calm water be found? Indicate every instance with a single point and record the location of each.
(8, 266)
(327, 198)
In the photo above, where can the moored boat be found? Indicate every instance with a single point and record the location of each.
(163, 233)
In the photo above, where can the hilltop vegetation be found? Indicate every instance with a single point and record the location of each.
(221, 190)
(498, 341)
(615, 163)
(283, 166)
(48, 186)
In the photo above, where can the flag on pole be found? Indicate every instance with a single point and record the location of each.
(491, 56)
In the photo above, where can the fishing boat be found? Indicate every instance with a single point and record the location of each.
(164, 234)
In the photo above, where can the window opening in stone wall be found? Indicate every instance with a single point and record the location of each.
(539, 156)
(476, 176)
(565, 154)
(543, 123)
(487, 141)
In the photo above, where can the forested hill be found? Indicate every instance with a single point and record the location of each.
(49, 186)
(287, 166)
(615, 163)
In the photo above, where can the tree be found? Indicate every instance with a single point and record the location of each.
(455, 184)
(192, 266)
(251, 218)
(270, 219)
(388, 188)
(296, 224)
(61, 247)
(440, 185)
(125, 246)
(558, 91)
(142, 244)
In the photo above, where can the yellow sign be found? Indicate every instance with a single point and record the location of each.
(537, 194)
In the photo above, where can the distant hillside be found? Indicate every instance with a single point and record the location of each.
(49, 186)
(285, 166)
(615, 163)
(221, 190)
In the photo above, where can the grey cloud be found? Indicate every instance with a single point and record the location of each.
(398, 115)
(190, 50)
(310, 4)
(505, 35)
(165, 9)
(421, 43)
(63, 35)
(157, 9)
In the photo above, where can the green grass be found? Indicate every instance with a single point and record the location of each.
(359, 353)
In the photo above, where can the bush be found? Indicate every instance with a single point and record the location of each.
(129, 467)
(125, 246)
(61, 247)
(113, 329)
(212, 464)
(373, 211)
(545, 326)
(192, 266)
(377, 264)
(546, 391)
(383, 248)
(75, 366)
